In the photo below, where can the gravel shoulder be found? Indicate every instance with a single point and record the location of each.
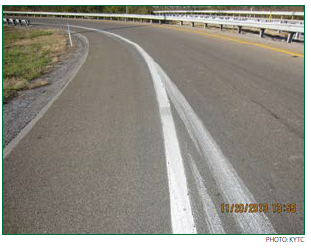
(20, 111)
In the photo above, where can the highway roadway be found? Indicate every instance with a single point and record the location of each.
(156, 131)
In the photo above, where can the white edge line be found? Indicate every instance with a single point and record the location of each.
(181, 213)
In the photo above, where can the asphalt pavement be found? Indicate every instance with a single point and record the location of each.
(97, 161)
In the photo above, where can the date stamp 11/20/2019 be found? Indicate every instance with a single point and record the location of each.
(258, 208)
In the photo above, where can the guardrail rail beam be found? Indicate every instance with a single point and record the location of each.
(237, 20)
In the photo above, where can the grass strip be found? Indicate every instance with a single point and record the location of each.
(28, 54)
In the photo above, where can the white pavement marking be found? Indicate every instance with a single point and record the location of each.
(212, 219)
(233, 189)
(181, 214)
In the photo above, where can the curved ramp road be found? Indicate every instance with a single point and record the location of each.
(157, 130)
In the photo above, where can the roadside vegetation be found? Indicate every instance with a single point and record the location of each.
(27, 54)
(148, 9)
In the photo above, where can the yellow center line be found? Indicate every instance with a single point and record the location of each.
(233, 39)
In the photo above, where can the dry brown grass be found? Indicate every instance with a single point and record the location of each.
(56, 44)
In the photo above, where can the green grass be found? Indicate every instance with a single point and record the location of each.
(27, 54)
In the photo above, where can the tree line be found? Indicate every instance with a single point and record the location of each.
(84, 9)
(145, 9)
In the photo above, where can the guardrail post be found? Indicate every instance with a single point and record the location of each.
(290, 37)
(297, 36)
(261, 32)
(239, 29)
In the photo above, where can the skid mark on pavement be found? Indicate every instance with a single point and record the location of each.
(228, 181)
(212, 219)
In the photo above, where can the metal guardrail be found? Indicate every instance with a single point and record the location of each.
(21, 22)
(262, 25)
(243, 23)
(242, 18)
(11, 21)
(233, 12)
